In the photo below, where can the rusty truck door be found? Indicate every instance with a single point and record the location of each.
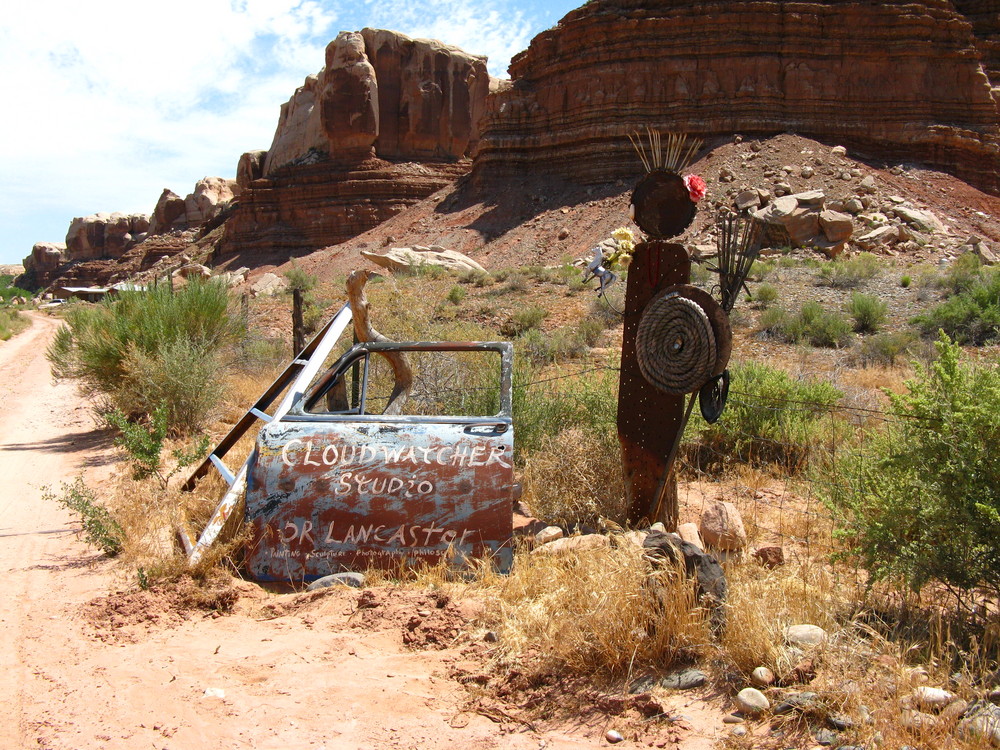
(349, 489)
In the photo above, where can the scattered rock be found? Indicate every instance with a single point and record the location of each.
(214, 693)
(747, 199)
(711, 580)
(825, 737)
(839, 151)
(836, 226)
(613, 736)
(805, 636)
(548, 534)
(685, 679)
(722, 527)
(563, 233)
(916, 721)
(573, 544)
(796, 702)
(982, 721)
(732, 719)
(689, 533)
(931, 698)
(751, 701)
(762, 677)
(636, 537)
(925, 221)
(802, 673)
(954, 710)
(355, 580)
(854, 206)
(268, 285)
(840, 722)
(770, 557)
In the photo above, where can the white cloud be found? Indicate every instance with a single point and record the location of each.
(110, 101)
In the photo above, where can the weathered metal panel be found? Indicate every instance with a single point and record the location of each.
(329, 492)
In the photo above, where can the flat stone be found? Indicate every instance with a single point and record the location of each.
(916, 721)
(826, 737)
(836, 226)
(573, 544)
(840, 722)
(932, 698)
(770, 557)
(732, 719)
(352, 579)
(805, 636)
(810, 198)
(925, 221)
(752, 701)
(548, 534)
(685, 679)
(796, 702)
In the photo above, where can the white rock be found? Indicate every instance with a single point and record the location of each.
(931, 698)
(215, 693)
(573, 544)
(762, 677)
(548, 534)
(751, 701)
(805, 636)
(839, 151)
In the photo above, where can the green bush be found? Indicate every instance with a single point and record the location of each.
(12, 323)
(144, 348)
(868, 312)
(849, 273)
(885, 349)
(765, 295)
(971, 316)
(100, 528)
(524, 319)
(770, 418)
(812, 325)
(921, 501)
(456, 294)
(905, 281)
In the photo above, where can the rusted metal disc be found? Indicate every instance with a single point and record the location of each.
(662, 206)
(675, 343)
(712, 397)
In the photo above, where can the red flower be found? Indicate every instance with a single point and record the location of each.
(696, 187)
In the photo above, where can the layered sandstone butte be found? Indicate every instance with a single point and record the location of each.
(902, 80)
(210, 196)
(342, 158)
(103, 235)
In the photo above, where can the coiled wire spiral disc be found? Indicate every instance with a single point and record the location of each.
(675, 344)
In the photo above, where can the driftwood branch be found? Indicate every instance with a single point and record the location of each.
(364, 331)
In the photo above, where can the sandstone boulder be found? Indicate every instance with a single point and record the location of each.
(722, 526)
(168, 211)
(268, 285)
(210, 196)
(45, 260)
(924, 221)
(837, 227)
(410, 258)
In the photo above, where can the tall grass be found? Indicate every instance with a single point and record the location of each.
(144, 348)
(12, 323)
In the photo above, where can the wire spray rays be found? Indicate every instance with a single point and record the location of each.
(739, 246)
(676, 157)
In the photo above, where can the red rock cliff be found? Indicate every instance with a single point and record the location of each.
(338, 163)
(902, 80)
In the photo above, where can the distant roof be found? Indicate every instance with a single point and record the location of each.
(85, 289)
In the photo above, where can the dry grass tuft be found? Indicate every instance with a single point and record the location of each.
(599, 612)
(576, 476)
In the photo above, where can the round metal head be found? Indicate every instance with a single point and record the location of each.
(662, 205)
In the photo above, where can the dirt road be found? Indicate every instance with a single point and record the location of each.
(280, 672)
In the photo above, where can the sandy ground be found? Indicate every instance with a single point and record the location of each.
(281, 671)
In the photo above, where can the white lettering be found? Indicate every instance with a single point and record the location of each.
(284, 452)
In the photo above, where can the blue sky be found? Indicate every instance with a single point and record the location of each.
(108, 102)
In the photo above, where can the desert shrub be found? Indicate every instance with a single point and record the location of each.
(884, 349)
(765, 295)
(812, 325)
(868, 312)
(12, 323)
(700, 275)
(517, 283)
(599, 612)
(770, 418)
(960, 276)
(456, 294)
(100, 529)
(476, 277)
(544, 407)
(540, 274)
(971, 316)
(576, 477)
(143, 445)
(905, 280)
(609, 308)
(559, 345)
(849, 273)
(525, 318)
(8, 292)
(761, 270)
(144, 348)
(922, 500)
(590, 329)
